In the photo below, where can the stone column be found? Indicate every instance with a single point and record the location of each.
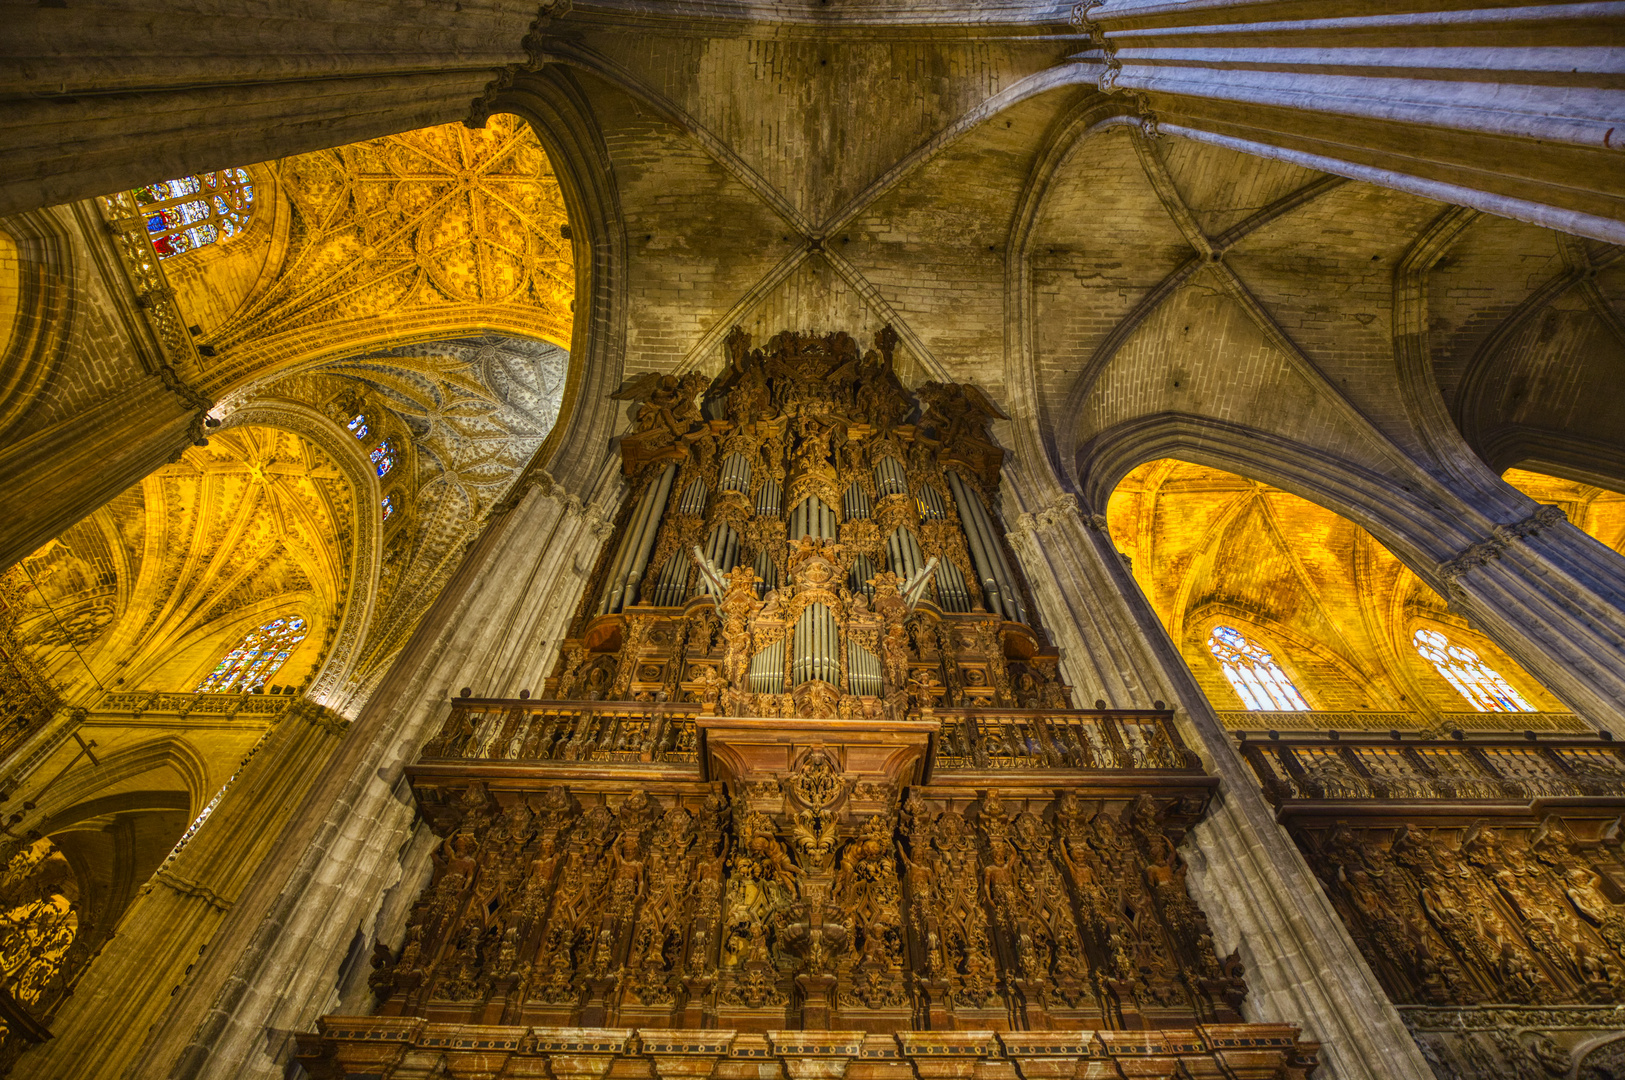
(1302, 966)
(1554, 599)
(1511, 110)
(89, 401)
(273, 968)
(166, 930)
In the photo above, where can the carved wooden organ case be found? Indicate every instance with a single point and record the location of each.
(806, 764)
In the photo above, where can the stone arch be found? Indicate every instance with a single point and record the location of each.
(1541, 387)
(1406, 521)
(85, 783)
(1086, 119)
(1465, 437)
(1366, 612)
(554, 105)
(351, 457)
(45, 308)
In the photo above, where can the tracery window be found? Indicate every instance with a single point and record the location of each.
(1483, 687)
(383, 457)
(388, 505)
(1253, 672)
(195, 211)
(358, 425)
(256, 658)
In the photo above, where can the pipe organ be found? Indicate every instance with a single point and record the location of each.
(879, 481)
(805, 786)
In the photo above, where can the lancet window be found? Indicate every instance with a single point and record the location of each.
(195, 211)
(1257, 679)
(256, 658)
(358, 426)
(387, 504)
(383, 457)
(1483, 687)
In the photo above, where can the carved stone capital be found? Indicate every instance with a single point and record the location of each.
(1486, 551)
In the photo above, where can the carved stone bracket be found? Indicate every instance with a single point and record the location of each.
(1486, 551)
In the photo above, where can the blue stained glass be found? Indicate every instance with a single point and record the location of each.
(177, 223)
(389, 507)
(358, 425)
(383, 456)
(256, 658)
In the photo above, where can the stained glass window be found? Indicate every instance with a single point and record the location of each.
(196, 210)
(383, 456)
(256, 658)
(1253, 672)
(1480, 684)
(389, 507)
(358, 425)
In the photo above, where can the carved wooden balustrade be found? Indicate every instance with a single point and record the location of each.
(521, 730)
(1505, 768)
(1482, 877)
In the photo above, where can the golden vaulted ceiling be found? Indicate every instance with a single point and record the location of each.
(422, 280)
(442, 230)
(1335, 608)
(149, 591)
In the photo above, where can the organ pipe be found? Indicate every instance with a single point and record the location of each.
(951, 591)
(930, 502)
(637, 543)
(812, 518)
(646, 539)
(978, 550)
(693, 500)
(815, 645)
(903, 553)
(862, 670)
(767, 572)
(769, 499)
(722, 548)
(856, 502)
(890, 478)
(863, 569)
(979, 527)
(735, 473)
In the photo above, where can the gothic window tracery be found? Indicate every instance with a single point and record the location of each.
(195, 211)
(256, 658)
(358, 425)
(387, 504)
(383, 457)
(1483, 687)
(1257, 679)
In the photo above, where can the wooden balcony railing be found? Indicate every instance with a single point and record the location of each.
(501, 729)
(1060, 739)
(1257, 723)
(1499, 769)
(513, 730)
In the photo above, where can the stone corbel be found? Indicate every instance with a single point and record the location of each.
(1057, 510)
(320, 716)
(535, 45)
(1486, 551)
